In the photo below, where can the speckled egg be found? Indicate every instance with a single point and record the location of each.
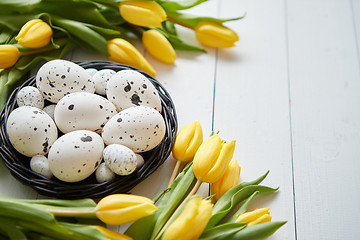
(83, 110)
(30, 96)
(129, 88)
(58, 78)
(91, 71)
(140, 128)
(50, 109)
(104, 174)
(40, 165)
(101, 79)
(31, 131)
(120, 159)
(140, 160)
(76, 155)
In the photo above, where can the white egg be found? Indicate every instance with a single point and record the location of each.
(31, 131)
(83, 110)
(76, 155)
(129, 88)
(104, 174)
(120, 159)
(139, 128)
(30, 96)
(140, 160)
(40, 165)
(101, 79)
(58, 78)
(91, 71)
(50, 109)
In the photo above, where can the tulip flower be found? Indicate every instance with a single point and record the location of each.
(124, 208)
(215, 35)
(143, 13)
(122, 51)
(191, 222)
(257, 216)
(9, 55)
(212, 158)
(112, 235)
(158, 46)
(187, 142)
(34, 34)
(227, 181)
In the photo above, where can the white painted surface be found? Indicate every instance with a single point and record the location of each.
(289, 93)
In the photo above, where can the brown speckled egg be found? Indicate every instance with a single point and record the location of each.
(140, 128)
(83, 110)
(120, 159)
(31, 131)
(76, 155)
(58, 78)
(129, 88)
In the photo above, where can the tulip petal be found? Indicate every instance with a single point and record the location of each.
(206, 157)
(115, 201)
(112, 234)
(9, 55)
(127, 214)
(252, 216)
(218, 170)
(158, 46)
(213, 34)
(143, 13)
(35, 34)
(262, 219)
(187, 142)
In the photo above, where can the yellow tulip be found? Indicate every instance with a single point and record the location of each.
(112, 235)
(187, 142)
(143, 13)
(124, 208)
(215, 35)
(122, 51)
(34, 34)
(212, 158)
(158, 46)
(227, 181)
(9, 55)
(257, 216)
(191, 222)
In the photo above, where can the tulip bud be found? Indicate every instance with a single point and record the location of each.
(191, 222)
(143, 13)
(158, 46)
(215, 35)
(257, 216)
(122, 51)
(9, 55)
(212, 158)
(227, 181)
(187, 142)
(112, 235)
(124, 208)
(34, 34)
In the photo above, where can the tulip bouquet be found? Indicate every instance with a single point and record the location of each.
(36, 30)
(179, 212)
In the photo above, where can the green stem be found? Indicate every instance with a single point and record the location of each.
(178, 22)
(72, 213)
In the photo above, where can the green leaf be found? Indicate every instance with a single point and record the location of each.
(180, 5)
(79, 10)
(191, 20)
(86, 232)
(83, 33)
(17, 6)
(62, 203)
(243, 208)
(221, 208)
(8, 228)
(151, 225)
(257, 232)
(14, 22)
(179, 44)
(169, 27)
(224, 231)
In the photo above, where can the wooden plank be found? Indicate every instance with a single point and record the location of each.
(324, 86)
(252, 104)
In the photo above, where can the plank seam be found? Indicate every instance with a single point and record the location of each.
(355, 31)
(286, 18)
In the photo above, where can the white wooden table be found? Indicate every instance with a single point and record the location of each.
(289, 93)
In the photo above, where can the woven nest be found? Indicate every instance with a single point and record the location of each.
(19, 165)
